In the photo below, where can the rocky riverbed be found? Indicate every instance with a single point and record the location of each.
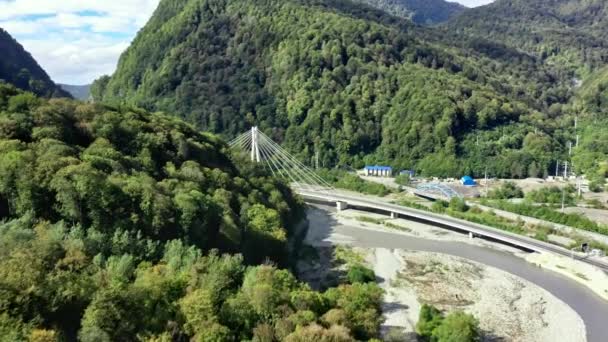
(509, 308)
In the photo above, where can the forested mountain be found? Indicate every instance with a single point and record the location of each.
(571, 33)
(424, 12)
(19, 68)
(349, 82)
(591, 103)
(81, 92)
(112, 221)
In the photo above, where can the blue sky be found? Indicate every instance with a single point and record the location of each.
(76, 41)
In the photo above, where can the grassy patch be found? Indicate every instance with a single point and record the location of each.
(549, 214)
(582, 276)
(396, 226)
(348, 181)
(411, 204)
(347, 256)
(368, 219)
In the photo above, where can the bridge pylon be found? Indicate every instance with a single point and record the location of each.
(281, 163)
(255, 147)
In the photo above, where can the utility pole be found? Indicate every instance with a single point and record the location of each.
(486, 181)
(565, 170)
(563, 197)
(577, 139)
(317, 160)
(569, 148)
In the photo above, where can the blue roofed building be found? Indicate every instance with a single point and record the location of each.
(380, 171)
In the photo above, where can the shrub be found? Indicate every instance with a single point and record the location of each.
(457, 327)
(361, 304)
(439, 206)
(553, 195)
(403, 180)
(458, 204)
(302, 318)
(429, 319)
(263, 333)
(506, 191)
(315, 332)
(360, 274)
(335, 317)
(596, 186)
(42, 335)
(12, 329)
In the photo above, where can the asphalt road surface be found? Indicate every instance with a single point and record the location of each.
(592, 308)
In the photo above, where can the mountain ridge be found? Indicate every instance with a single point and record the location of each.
(571, 33)
(18, 67)
(80, 92)
(424, 12)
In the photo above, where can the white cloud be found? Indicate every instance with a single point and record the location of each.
(135, 9)
(473, 3)
(75, 41)
(80, 59)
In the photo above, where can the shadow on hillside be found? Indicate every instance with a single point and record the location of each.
(323, 262)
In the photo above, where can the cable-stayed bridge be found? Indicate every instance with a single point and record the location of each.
(313, 188)
(280, 162)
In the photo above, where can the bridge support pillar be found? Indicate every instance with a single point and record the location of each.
(394, 215)
(471, 235)
(341, 205)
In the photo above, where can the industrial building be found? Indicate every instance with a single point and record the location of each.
(379, 171)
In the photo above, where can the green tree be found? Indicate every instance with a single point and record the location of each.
(429, 319)
(457, 327)
(360, 274)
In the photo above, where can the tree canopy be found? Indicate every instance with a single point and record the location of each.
(119, 224)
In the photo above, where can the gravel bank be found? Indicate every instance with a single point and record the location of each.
(511, 308)
(508, 308)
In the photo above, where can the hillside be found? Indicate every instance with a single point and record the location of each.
(591, 103)
(424, 12)
(570, 33)
(19, 68)
(80, 92)
(353, 84)
(112, 225)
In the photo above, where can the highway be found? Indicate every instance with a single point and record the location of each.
(523, 242)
